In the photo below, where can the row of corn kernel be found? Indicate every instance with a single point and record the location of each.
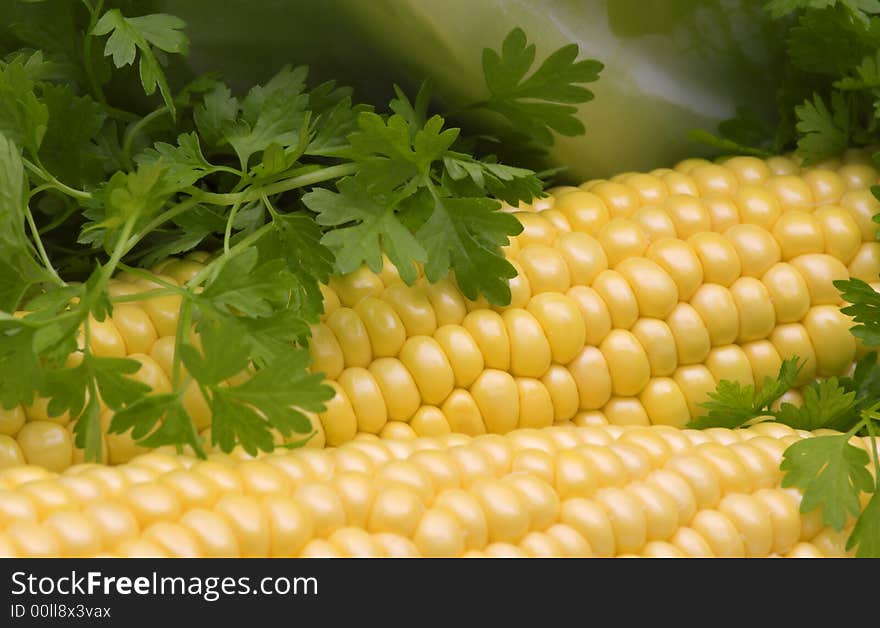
(608, 491)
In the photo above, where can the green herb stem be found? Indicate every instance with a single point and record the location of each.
(38, 242)
(254, 194)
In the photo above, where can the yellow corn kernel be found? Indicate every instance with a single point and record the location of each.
(497, 398)
(397, 431)
(105, 339)
(664, 402)
(448, 303)
(820, 271)
(865, 265)
(757, 316)
(792, 340)
(12, 419)
(655, 291)
(425, 360)
(594, 312)
(535, 404)
(413, 307)
(563, 392)
(366, 398)
(625, 411)
(545, 267)
(622, 239)
(584, 256)
(679, 183)
(46, 444)
(788, 292)
(536, 229)
(799, 233)
(862, 206)
(617, 294)
(463, 414)
(757, 248)
(488, 330)
(430, 421)
(593, 378)
(351, 288)
(329, 300)
(163, 311)
(398, 389)
(11, 454)
(714, 179)
(791, 191)
(764, 358)
(135, 327)
(731, 363)
(842, 235)
(691, 335)
(688, 214)
(585, 211)
(723, 212)
(627, 362)
(695, 382)
(384, 327)
(835, 345)
(338, 419)
(562, 323)
(621, 200)
(530, 353)
(720, 534)
(654, 222)
(757, 206)
(719, 259)
(327, 357)
(748, 169)
(717, 308)
(827, 186)
(680, 261)
(659, 342)
(352, 336)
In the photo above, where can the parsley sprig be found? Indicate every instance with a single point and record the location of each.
(113, 157)
(829, 101)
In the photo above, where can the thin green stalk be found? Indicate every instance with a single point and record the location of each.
(94, 84)
(253, 194)
(38, 242)
(159, 220)
(218, 262)
(135, 129)
(149, 294)
(184, 322)
(53, 182)
(227, 235)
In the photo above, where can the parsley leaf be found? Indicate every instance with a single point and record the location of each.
(23, 117)
(543, 101)
(274, 398)
(731, 404)
(145, 34)
(18, 270)
(824, 133)
(831, 472)
(866, 533)
(826, 403)
(864, 309)
(373, 226)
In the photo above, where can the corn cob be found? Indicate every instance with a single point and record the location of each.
(634, 297)
(562, 491)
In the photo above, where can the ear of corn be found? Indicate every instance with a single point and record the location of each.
(634, 297)
(561, 491)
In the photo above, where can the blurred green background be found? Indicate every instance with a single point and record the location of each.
(671, 65)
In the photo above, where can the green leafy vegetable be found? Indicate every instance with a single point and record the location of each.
(113, 156)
